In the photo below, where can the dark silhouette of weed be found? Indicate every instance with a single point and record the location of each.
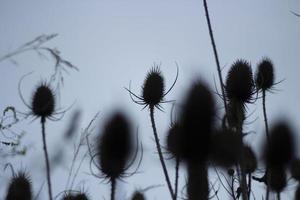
(78, 196)
(197, 120)
(264, 77)
(239, 83)
(153, 93)
(19, 187)
(138, 196)
(280, 149)
(114, 150)
(153, 89)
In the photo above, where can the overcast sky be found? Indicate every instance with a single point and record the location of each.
(113, 42)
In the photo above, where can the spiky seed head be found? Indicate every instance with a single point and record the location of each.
(226, 148)
(197, 119)
(115, 146)
(250, 160)
(79, 196)
(173, 140)
(239, 82)
(295, 169)
(264, 78)
(280, 149)
(19, 188)
(43, 101)
(277, 179)
(138, 196)
(154, 87)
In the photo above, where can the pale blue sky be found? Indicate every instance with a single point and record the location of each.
(115, 41)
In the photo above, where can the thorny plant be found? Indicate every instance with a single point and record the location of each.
(153, 94)
(113, 149)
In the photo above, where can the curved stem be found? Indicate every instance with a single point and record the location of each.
(215, 53)
(113, 189)
(176, 177)
(43, 121)
(160, 153)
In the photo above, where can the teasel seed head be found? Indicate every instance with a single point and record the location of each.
(115, 146)
(225, 148)
(19, 188)
(239, 82)
(154, 87)
(79, 196)
(43, 101)
(138, 196)
(197, 120)
(277, 179)
(264, 78)
(250, 160)
(280, 149)
(295, 169)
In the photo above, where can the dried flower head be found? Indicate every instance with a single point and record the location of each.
(264, 78)
(277, 179)
(71, 196)
(153, 90)
(43, 101)
(115, 147)
(250, 160)
(239, 82)
(138, 196)
(154, 87)
(19, 188)
(197, 119)
(280, 149)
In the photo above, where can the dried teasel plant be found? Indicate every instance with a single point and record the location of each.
(75, 196)
(43, 106)
(239, 82)
(153, 94)
(240, 89)
(115, 151)
(19, 187)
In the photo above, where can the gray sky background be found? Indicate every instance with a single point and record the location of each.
(113, 42)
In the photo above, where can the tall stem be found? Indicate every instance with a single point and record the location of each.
(176, 176)
(160, 153)
(113, 189)
(243, 179)
(268, 137)
(215, 53)
(43, 121)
